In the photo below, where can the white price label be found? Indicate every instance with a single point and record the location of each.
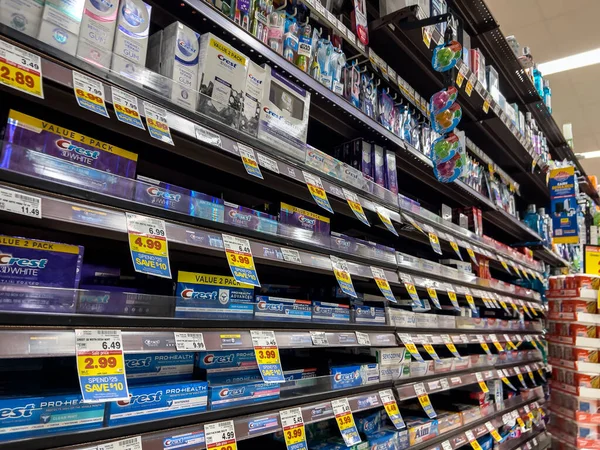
(220, 435)
(156, 120)
(124, 444)
(292, 424)
(148, 245)
(444, 383)
(340, 406)
(208, 136)
(319, 338)
(17, 203)
(291, 255)
(249, 160)
(267, 163)
(419, 389)
(127, 108)
(240, 259)
(89, 93)
(363, 338)
(446, 445)
(470, 436)
(189, 342)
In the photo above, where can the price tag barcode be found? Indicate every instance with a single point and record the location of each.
(124, 444)
(291, 255)
(189, 342)
(17, 203)
(362, 338)
(220, 435)
(319, 338)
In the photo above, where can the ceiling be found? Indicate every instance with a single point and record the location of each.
(554, 29)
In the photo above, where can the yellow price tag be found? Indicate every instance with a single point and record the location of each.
(498, 346)
(520, 422)
(100, 365)
(267, 356)
(391, 408)
(345, 421)
(459, 79)
(454, 246)
(434, 239)
(485, 347)
(294, 435)
(243, 261)
(472, 255)
(292, 424)
(471, 438)
(452, 296)
(432, 293)
(486, 106)
(426, 37)
(412, 348)
(410, 288)
(21, 70)
(517, 271)
(534, 311)
(470, 300)
(505, 266)
(149, 245)
(317, 191)
(469, 88)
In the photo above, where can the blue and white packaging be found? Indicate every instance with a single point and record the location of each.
(227, 360)
(232, 395)
(331, 312)
(369, 314)
(159, 367)
(237, 376)
(131, 38)
(97, 31)
(344, 377)
(61, 21)
(37, 416)
(377, 160)
(391, 171)
(285, 309)
(384, 440)
(159, 401)
(390, 356)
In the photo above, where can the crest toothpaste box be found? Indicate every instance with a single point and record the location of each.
(39, 263)
(303, 225)
(227, 360)
(162, 195)
(221, 80)
(368, 314)
(391, 171)
(158, 401)
(250, 219)
(27, 132)
(28, 417)
(253, 96)
(287, 309)
(213, 376)
(330, 312)
(232, 395)
(22, 15)
(206, 207)
(343, 377)
(61, 21)
(158, 367)
(384, 440)
(97, 31)
(131, 38)
(213, 296)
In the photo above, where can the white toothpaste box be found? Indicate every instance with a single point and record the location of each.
(61, 21)
(22, 15)
(221, 79)
(253, 94)
(390, 356)
(131, 38)
(97, 32)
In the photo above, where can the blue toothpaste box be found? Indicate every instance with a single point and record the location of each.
(159, 401)
(207, 207)
(344, 377)
(330, 312)
(159, 367)
(384, 440)
(240, 216)
(369, 314)
(286, 309)
(227, 360)
(232, 377)
(213, 296)
(232, 395)
(35, 416)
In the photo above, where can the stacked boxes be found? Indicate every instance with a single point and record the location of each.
(61, 21)
(97, 31)
(131, 38)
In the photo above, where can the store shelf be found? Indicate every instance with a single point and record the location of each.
(581, 294)
(504, 221)
(579, 366)
(535, 439)
(548, 256)
(582, 318)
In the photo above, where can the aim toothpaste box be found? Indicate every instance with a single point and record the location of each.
(343, 377)
(37, 416)
(159, 367)
(240, 216)
(227, 361)
(27, 132)
(286, 309)
(39, 263)
(213, 296)
(331, 312)
(158, 401)
(97, 31)
(238, 394)
(162, 195)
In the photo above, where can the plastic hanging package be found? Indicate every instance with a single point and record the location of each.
(276, 25)
(338, 62)
(442, 100)
(447, 120)
(448, 158)
(290, 39)
(445, 56)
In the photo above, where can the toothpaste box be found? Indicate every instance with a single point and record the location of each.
(227, 360)
(377, 162)
(213, 376)
(384, 440)
(131, 38)
(61, 21)
(343, 377)
(28, 417)
(253, 95)
(391, 171)
(250, 219)
(343, 243)
(39, 263)
(390, 356)
(22, 15)
(159, 401)
(97, 32)
(206, 207)
(97, 299)
(221, 79)
(287, 309)
(395, 372)
(213, 296)
(232, 395)
(27, 132)
(300, 374)
(421, 429)
(159, 367)
(369, 314)
(303, 225)
(331, 312)
(162, 195)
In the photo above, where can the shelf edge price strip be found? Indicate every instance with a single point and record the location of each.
(249, 160)
(355, 206)
(220, 436)
(434, 297)
(186, 342)
(266, 352)
(342, 275)
(89, 93)
(410, 346)
(423, 397)
(127, 108)
(156, 120)
(240, 259)
(345, 420)
(315, 187)
(450, 345)
(148, 244)
(385, 219)
(18, 203)
(294, 433)
(21, 70)
(101, 365)
(382, 284)
(391, 408)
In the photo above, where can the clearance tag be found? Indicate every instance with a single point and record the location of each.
(471, 438)
(481, 382)
(355, 206)
(505, 380)
(342, 275)
(21, 70)
(249, 161)
(453, 299)
(156, 119)
(315, 187)
(266, 352)
(385, 219)
(461, 75)
(434, 298)
(509, 342)
(345, 420)
(471, 302)
(101, 366)
(148, 245)
(450, 345)
(294, 433)
(413, 222)
(220, 436)
(391, 408)
(410, 346)
(454, 246)
(410, 288)
(520, 377)
(493, 432)
(127, 108)
(421, 394)
(382, 284)
(431, 351)
(241, 262)
(483, 344)
(531, 376)
(189, 342)
(89, 93)
(496, 343)
(435, 242)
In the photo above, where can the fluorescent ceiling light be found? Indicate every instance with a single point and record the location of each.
(588, 155)
(570, 62)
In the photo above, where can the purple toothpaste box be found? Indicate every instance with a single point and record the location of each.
(377, 162)
(242, 217)
(343, 243)
(163, 195)
(391, 171)
(364, 150)
(27, 132)
(304, 225)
